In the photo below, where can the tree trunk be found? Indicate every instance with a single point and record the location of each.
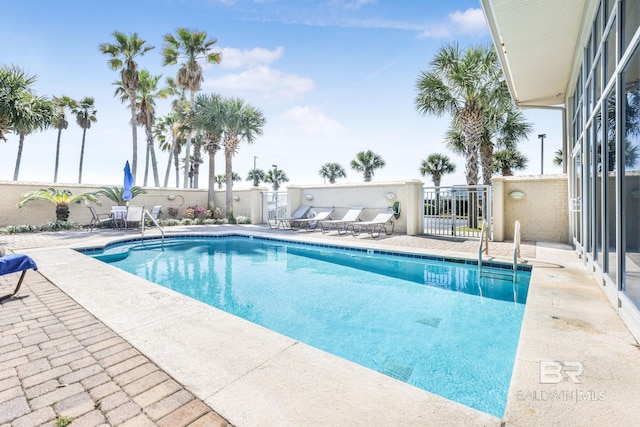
(187, 147)
(62, 212)
(212, 178)
(55, 169)
(228, 155)
(486, 158)
(168, 171)
(134, 131)
(84, 134)
(19, 157)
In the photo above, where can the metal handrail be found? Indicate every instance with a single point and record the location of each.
(148, 215)
(484, 242)
(516, 248)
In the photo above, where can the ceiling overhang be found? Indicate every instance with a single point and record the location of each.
(536, 43)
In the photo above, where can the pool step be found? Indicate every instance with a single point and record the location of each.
(394, 369)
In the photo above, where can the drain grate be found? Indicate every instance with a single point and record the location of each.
(429, 321)
(396, 370)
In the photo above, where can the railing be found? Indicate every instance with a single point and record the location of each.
(483, 247)
(146, 213)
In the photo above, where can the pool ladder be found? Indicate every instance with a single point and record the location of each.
(146, 213)
(484, 248)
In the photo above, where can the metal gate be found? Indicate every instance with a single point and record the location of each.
(274, 205)
(457, 211)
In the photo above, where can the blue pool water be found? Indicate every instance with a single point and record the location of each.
(423, 321)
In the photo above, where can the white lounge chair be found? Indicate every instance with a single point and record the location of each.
(285, 223)
(310, 224)
(134, 216)
(342, 225)
(381, 222)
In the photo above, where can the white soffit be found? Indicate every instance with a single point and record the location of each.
(536, 40)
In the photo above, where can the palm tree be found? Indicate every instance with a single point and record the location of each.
(332, 171)
(466, 86)
(277, 177)
(367, 162)
(115, 194)
(241, 121)
(558, 157)
(189, 46)
(60, 123)
(169, 126)
(208, 118)
(61, 198)
(85, 115)
(15, 85)
(507, 160)
(123, 55)
(39, 114)
(436, 165)
(146, 93)
(222, 179)
(255, 175)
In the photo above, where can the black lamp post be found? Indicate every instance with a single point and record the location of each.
(542, 136)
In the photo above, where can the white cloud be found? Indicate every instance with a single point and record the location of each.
(264, 79)
(352, 4)
(471, 21)
(312, 120)
(237, 58)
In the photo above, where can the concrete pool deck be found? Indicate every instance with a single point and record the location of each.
(250, 376)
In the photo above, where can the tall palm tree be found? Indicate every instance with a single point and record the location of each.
(436, 165)
(189, 46)
(367, 162)
(466, 86)
(332, 171)
(168, 126)
(15, 85)
(256, 175)
(208, 117)
(146, 93)
(123, 54)
(60, 123)
(507, 160)
(40, 114)
(241, 122)
(85, 115)
(277, 177)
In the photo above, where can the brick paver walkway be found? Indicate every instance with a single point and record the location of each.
(59, 364)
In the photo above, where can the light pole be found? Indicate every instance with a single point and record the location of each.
(542, 136)
(275, 168)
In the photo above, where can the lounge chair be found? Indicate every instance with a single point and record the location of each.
(310, 224)
(14, 263)
(285, 223)
(381, 222)
(98, 218)
(342, 225)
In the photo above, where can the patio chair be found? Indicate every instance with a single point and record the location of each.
(98, 218)
(134, 216)
(342, 225)
(381, 222)
(310, 224)
(14, 263)
(155, 212)
(285, 223)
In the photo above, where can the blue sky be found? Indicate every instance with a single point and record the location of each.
(332, 77)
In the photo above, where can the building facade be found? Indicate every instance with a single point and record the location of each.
(583, 57)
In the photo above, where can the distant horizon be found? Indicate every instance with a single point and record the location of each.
(332, 79)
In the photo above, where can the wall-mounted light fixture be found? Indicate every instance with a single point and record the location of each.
(516, 195)
(172, 197)
(236, 197)
(390, 196)
(309, 197)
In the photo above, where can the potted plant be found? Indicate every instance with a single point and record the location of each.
(61, 198)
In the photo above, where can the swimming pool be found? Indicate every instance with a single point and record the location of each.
(415, 318)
